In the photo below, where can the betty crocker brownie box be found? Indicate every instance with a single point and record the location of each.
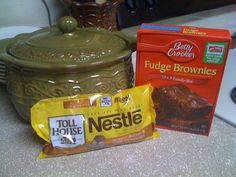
(185, 65)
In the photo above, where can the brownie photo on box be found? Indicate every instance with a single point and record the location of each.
(179, 105)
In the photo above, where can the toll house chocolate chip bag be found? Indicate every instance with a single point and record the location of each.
(185, 65)
(83, 123)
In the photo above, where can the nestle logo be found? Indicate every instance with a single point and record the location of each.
(183, 51)
(114, 121)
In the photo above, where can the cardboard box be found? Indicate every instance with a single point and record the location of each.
(185, 65)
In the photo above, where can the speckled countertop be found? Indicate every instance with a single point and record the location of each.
(174, 154)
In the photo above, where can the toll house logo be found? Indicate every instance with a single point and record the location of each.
(67, 131)
(183, 51)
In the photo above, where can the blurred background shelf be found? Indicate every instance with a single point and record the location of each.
(135, 12)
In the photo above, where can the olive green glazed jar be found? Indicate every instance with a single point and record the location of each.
(65, 61)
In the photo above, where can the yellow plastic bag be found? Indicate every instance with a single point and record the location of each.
(89, 122)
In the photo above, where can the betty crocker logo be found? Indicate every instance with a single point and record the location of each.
(183, 51)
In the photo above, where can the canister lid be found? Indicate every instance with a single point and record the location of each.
(67, 45)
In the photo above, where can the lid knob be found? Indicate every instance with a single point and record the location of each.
(67, 24)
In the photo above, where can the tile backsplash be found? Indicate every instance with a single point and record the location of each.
(29, 12)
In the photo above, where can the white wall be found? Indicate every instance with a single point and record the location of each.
(29, 12)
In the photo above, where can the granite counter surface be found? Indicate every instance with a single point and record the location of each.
(174, 154)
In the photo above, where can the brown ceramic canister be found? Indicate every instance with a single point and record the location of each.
(92, 14)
